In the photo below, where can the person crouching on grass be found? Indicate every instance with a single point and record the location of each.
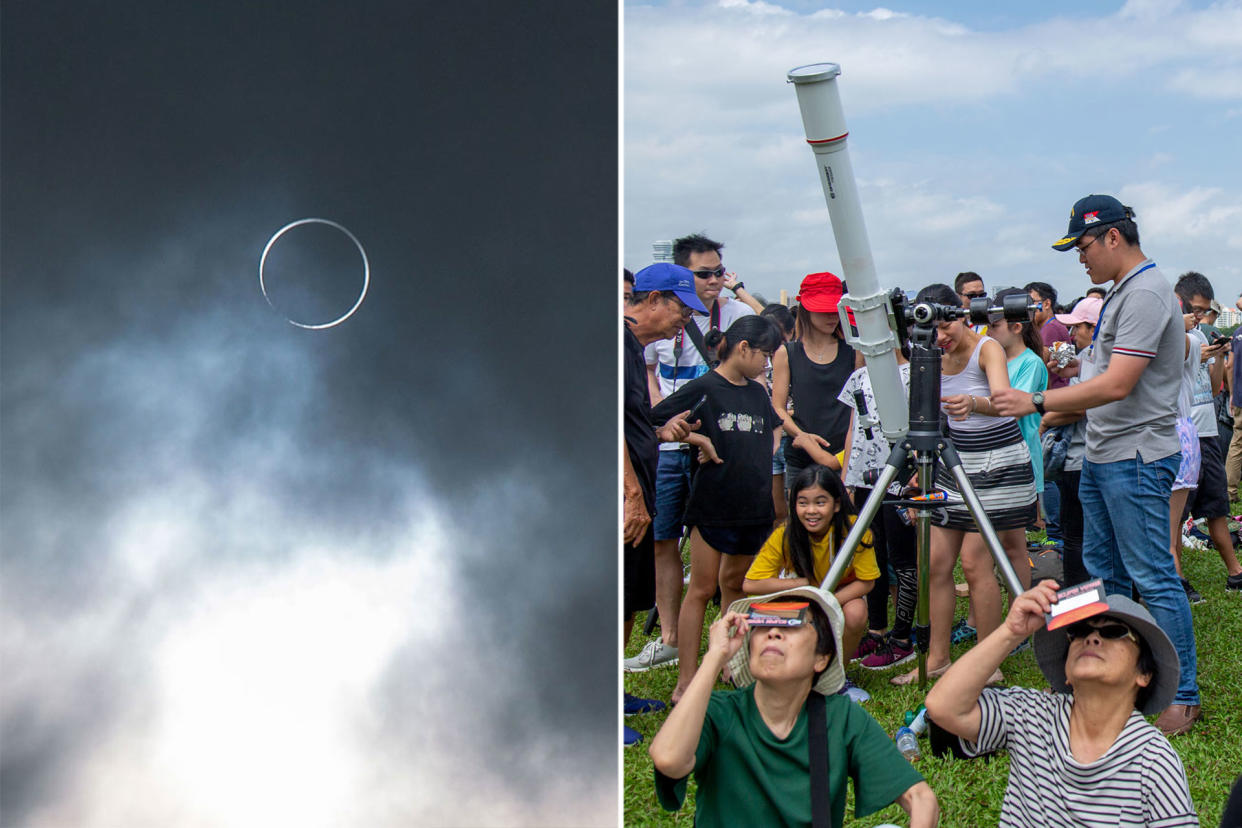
(752, 750)
(1082, 755)
(801, 552)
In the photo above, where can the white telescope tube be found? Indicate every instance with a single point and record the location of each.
(824, 122)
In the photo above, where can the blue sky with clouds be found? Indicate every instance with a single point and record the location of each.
(973, 129)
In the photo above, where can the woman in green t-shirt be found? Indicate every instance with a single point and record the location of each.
(750, 749)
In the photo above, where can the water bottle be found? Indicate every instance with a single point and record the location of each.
(907, 743)
(917, 721)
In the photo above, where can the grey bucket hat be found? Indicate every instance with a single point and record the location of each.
(1052, 646)
(833, 677)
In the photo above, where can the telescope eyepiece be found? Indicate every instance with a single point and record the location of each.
(931, 313)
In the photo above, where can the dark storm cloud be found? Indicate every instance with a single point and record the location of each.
(164, 430)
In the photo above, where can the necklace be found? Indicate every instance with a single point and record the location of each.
(821, 353)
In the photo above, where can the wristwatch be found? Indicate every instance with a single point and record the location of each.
(737, 287)
(1037, 400)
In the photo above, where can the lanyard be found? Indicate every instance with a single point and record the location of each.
(1103, 307)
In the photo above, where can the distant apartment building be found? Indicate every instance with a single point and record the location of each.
(662, 251)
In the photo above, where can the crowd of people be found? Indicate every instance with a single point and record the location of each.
(749, 433)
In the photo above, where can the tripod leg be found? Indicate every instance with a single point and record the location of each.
(954, 463)
(652, 617)
(922, 629)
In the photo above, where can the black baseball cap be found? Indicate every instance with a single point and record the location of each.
(1092, 211)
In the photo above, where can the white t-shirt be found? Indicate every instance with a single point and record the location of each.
(673, 374)
(868, 454)
(1139, 781)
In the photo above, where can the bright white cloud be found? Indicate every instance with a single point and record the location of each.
(969, 146)
(1198, 214)
(261, 628)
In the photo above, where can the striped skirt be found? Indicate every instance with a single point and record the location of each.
(998, 463)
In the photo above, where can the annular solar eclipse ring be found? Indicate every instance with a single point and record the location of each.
(366, 271)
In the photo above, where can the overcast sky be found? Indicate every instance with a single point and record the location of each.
(256, 575)
(974, 127)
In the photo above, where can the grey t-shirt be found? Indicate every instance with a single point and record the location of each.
(1202, 409)
(1140, 318)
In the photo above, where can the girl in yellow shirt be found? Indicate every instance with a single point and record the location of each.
(801, 552)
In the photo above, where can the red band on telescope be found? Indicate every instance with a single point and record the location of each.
(840, 137)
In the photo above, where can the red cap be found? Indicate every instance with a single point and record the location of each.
(820, 293)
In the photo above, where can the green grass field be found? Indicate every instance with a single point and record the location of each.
(970, 792)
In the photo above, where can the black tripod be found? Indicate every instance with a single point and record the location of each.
(927, 444)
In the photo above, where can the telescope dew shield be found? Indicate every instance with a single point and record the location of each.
(824, 122)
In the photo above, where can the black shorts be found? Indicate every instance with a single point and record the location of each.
(638, 575)
(1210, 499)
(736, 540)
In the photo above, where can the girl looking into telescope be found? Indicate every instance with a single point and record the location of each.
(729, 508)
(996, 458)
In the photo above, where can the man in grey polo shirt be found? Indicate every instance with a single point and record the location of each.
(1132, 447)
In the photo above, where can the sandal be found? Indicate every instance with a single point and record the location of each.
(913, 676)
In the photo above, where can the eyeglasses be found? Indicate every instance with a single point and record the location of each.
(1110, 631)
(1082, 251)
(978, 294)
(708, 274)
(1200, 312)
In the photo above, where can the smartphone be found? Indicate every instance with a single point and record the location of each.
(694, 412)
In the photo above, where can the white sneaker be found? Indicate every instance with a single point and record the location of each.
(654, 654)
(856, 694)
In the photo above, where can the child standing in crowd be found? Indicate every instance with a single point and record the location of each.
(729, 508)
(801, 552)
(1081, 324)
(1024, 352)
(995, 456)
(894, 538)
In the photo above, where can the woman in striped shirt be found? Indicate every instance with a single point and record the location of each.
(1082, 755)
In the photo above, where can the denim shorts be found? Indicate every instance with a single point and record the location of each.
(672, 487)
(778, 457)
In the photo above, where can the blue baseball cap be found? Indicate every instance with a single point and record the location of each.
(669, 278)
(1088, 212)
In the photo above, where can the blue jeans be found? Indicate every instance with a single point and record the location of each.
(1125, 509)
(1052, 511)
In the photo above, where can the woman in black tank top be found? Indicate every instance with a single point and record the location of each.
(812, 370)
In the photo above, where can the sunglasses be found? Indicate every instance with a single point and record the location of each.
(708, 274)
(979, 294)
(1109, 631)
